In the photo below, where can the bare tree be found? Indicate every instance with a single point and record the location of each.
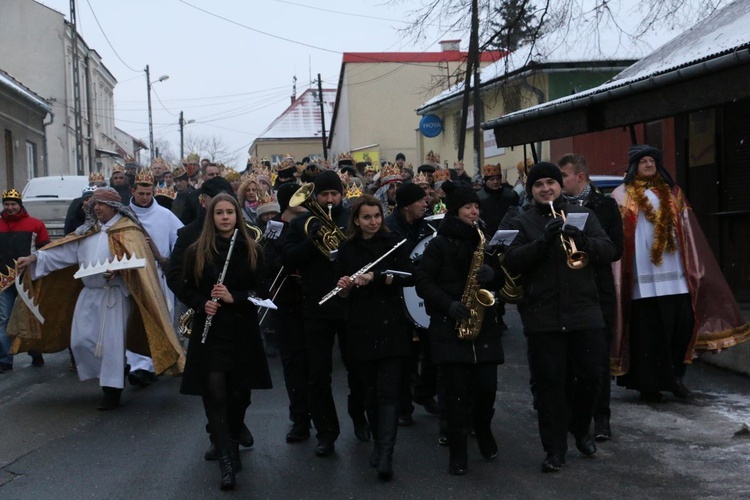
(213, 148)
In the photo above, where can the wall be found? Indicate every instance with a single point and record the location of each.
(25, 123)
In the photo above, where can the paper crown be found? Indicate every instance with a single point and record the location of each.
(372, 168)
(231, 175)
(492, 170)
(118, 168)
(288, 160)
(193, 158)
(345, 158)
(96, 177)
(145, 176)
(6, 280)
(158, 161)
(265, 198)
(179, 172)
(390, 173)
(353, 191)
(421, 178)
(441, 175)
(11, 194)
(433, 157)
(166, 192)
(130, 159)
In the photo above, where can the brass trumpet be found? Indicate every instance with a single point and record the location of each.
(576, 259)
(331, 237)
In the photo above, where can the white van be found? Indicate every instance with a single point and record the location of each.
(48, 199)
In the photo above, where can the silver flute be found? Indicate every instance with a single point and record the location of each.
(210, 317)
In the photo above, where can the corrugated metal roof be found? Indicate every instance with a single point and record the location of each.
(301, 120)
(8, 81)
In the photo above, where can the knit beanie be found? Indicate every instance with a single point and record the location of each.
(408, 193)
(459, 194)
(328, 180)
(543, 170)
(284, 194)
(216, 185)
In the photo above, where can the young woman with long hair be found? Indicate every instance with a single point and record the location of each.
(231, 362)
(380, 339)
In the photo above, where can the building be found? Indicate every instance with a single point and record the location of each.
(23, 116)
(36, 48)
(378, 92)
(298, 131)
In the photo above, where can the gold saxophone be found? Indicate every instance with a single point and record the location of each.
(511, 291)
(475, 298)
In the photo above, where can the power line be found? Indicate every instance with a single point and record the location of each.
(107, 39)
(343, 13)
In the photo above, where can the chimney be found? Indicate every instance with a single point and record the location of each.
(450, 45)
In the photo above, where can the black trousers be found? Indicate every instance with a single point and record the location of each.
(470, 391)
(291, 342)
(660, 331)
(566, 368)
(320, 335)
(382, 380)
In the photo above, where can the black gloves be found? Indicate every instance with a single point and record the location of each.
(314, 229)
(553, 229)
(575, 235)
(459, 311)
(485, 274)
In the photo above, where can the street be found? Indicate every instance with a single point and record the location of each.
(55, 444)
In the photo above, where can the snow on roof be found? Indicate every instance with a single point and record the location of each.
(586, 37)
(721, 33)
(302, 118)
(8, 81)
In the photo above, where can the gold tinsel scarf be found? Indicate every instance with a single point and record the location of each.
(663, 220)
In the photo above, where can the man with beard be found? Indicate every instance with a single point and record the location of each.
(120, 183)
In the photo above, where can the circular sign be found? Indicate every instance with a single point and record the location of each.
(431, 125)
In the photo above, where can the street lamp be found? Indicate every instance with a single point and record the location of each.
(150, 120)
(182, 135)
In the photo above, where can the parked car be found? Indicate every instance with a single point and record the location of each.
(606, 183)
(48, 199)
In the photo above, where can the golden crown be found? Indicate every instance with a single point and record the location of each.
(11, 194)
(6, 280)
(490, 170)
(179, 172)
(265, 198)
(372, 168)
(194, 158)
(145, 176)
(158, 161)
(345, 156)
(118, 168)
(441, 175)
(433, 157)
(96, 177)
(231, 175)
(353, 192)
(421, 178)
(165, 191)
(390, 173)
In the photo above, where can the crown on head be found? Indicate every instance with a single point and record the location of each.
(491, 170)
(344, 176)
(372, 168)
(421, 178)
(231, 175)
(288, 160)
(179, 172)
(96, 177)
(346, 156)
(6, 280)
(433, 157)
(165, 191)
(118, 168)
(264, 198)
(145, 176)
(390, 173)
(441, 175)
(11, 194)
(158, 161)
(353, 191)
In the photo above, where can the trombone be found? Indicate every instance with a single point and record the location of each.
(576, 259)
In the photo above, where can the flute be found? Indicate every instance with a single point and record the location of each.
(210, 317)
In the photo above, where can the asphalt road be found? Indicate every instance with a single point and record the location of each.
(54, 444)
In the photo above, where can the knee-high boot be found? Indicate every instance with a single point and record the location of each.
(458, 432)
(386, 439)
(372, 417)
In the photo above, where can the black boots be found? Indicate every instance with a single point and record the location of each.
(234, 455)
(387, 426)
(227, 473)
(300, 430)
(459, 457)
(111, 399)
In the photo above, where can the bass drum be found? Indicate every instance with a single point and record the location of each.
(414, 304)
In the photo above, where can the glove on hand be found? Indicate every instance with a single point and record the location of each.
(314, 229)
(485, 274)
(576, 235)
(553, 229)
(459, 311)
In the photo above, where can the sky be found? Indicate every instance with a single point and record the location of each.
(231, 63)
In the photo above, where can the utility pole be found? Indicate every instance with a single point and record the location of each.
(150, 122)
(471, 59)
(78, 124)
(322, 118)
(182, 134)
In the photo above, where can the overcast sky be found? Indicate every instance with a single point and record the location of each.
(231, 63)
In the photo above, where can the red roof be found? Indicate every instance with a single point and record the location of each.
(417, 57)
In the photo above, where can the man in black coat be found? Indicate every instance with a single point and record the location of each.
(561, 313)
(322, 324)
(578, 190)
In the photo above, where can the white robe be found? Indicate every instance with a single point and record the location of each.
(101, 314)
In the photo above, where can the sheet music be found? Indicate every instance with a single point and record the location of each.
(576, 219)
(503, 237)
(274, 229)
(262, 302)
(397, 273)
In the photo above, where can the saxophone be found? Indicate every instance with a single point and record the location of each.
(475, 298)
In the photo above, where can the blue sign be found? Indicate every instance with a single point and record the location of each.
(431, 125)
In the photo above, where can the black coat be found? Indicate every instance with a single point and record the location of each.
(186, 236)
(414, 232)
(234, 336)
(317, 271)
(287, 287)
(555, 297)
(494, 205)
(440, 279)
(376, 324)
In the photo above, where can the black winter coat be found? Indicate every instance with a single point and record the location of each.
(234, 336)
(376, 324)
(494, 205)
(318, 272)
(555, 297)
(186, 236)
(414, 233)
(440, 280)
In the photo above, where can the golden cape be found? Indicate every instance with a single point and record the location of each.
(150, 331)
(718, 321)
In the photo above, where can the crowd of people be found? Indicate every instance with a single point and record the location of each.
(607, 286)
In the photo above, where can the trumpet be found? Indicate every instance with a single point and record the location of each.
(576, 259)
(328, 242)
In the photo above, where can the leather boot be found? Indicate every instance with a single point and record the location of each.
(227, 474)
(372, 417)
(458, 463)
(234, 455)
(387, 430)
(111, 398)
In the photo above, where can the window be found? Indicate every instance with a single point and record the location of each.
(30, 160)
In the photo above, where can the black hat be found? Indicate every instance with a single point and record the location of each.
(426, 168)
(216, 185)
(638, 151)
(286, 173)
(543, 170)
(284, 194)
(349, 169)
(328, 180)
(408, 193)
(400, 156)
(310, 172)
(459, 194)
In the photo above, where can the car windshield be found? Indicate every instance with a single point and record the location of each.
(55, 187)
